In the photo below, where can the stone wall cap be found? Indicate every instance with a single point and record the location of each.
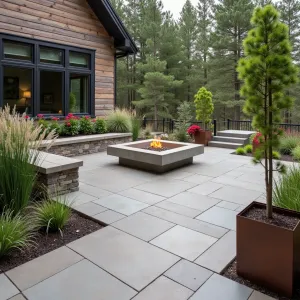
(49, 163)
(86, 138)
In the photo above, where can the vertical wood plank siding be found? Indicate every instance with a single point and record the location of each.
(70, 22)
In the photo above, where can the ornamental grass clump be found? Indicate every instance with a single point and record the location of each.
(20, 140)
(286, 192)
(52, 215)
(288, 142)
(16, 232)
(119, 121)
(296, 154)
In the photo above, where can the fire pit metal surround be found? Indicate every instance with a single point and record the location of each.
(136, 155)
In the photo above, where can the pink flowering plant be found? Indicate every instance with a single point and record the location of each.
(71, 125)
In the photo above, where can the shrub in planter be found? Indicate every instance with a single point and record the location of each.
(240, 151)
(119, 121)
(196, 133)
(54, 125)
(20, 140)
(266, 244)
(86, 125)
(16, 232)
(71, 125)
(99, 126)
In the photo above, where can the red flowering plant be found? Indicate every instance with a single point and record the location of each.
(193, 130)
(71, 125)
(54, 125)
(86, 125)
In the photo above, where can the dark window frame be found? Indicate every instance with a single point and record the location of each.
(36, 65)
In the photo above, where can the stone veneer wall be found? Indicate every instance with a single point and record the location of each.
(83, 147)
(59, 183)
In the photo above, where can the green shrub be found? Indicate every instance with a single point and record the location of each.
(181, 135)
(16, 232)
(248, 148)
(288, 142)
(296, 153)
(276, 155)
(136, 128)
(100, 126)
(119, 121)
(20, 140)
(52, 215)
(240, 151)
(286, 193)
(86, 125)
(71, 126)
(55, 126)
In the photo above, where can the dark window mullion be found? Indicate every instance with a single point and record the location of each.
(67, 92)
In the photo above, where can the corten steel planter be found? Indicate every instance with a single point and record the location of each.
(268, 255)
(203, 137)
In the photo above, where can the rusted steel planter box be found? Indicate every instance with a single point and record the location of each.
(268, 255)
(203, 137)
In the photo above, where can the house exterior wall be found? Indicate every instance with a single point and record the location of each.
(67, 22)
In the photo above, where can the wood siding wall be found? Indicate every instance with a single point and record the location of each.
(70, 22)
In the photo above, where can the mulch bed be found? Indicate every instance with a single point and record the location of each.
(230, 273)
(283, 157)
(76, 228)
(281, 220)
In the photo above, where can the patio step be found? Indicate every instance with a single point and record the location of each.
(225, 145)
(229, 139)
(235, 133)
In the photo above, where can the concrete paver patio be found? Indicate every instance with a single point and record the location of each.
(169, 236)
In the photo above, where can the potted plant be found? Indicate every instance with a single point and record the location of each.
(195, 133)
(204, 109)
(268, 238)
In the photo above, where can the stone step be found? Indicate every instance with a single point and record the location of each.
(228, 139)
(235, 133)
(225, 145)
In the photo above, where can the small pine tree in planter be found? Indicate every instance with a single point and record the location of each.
(266, 245)
(204, 109)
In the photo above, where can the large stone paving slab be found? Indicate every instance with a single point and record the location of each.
(77, 198)
(220, 216)
(83, 280)
(184, 242)
(259, 296)
(195, 201)
(7, 289)
(164, 289)
(228, 205)
(37, 270)
(220, 254)
(122, 205)
(236, 195)
(188, 274)
(90, 208)
(133, 261)
(218, 287)
(206, 188)
(143, 226)
(179, 209)
(109, 217)
(166, 188)
(195, 178)
(92, 190)
(142, 196)
(197, 225)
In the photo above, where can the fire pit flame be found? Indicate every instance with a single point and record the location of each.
(156, 144)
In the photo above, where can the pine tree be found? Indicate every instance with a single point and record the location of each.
(232, 24)
(267, 70)
(188, 36)
(205, 27)
(290, 15)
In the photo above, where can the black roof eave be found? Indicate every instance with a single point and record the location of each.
(113, 25)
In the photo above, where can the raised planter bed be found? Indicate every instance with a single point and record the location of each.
(139, 155)
(87, 144)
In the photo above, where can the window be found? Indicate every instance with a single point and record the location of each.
(80, 60)
(47, 78)
(51, 56)
(17, 51)
(17, 88)
(78, 102)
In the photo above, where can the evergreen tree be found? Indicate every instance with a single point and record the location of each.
(267, 70)
(205, 27)
(232, 24)
(188, 36)
(290, 15)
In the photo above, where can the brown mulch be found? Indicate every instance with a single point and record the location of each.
(281, 220)
(230, 273)
(77, 227)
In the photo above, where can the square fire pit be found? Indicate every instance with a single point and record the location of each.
(140, 155)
